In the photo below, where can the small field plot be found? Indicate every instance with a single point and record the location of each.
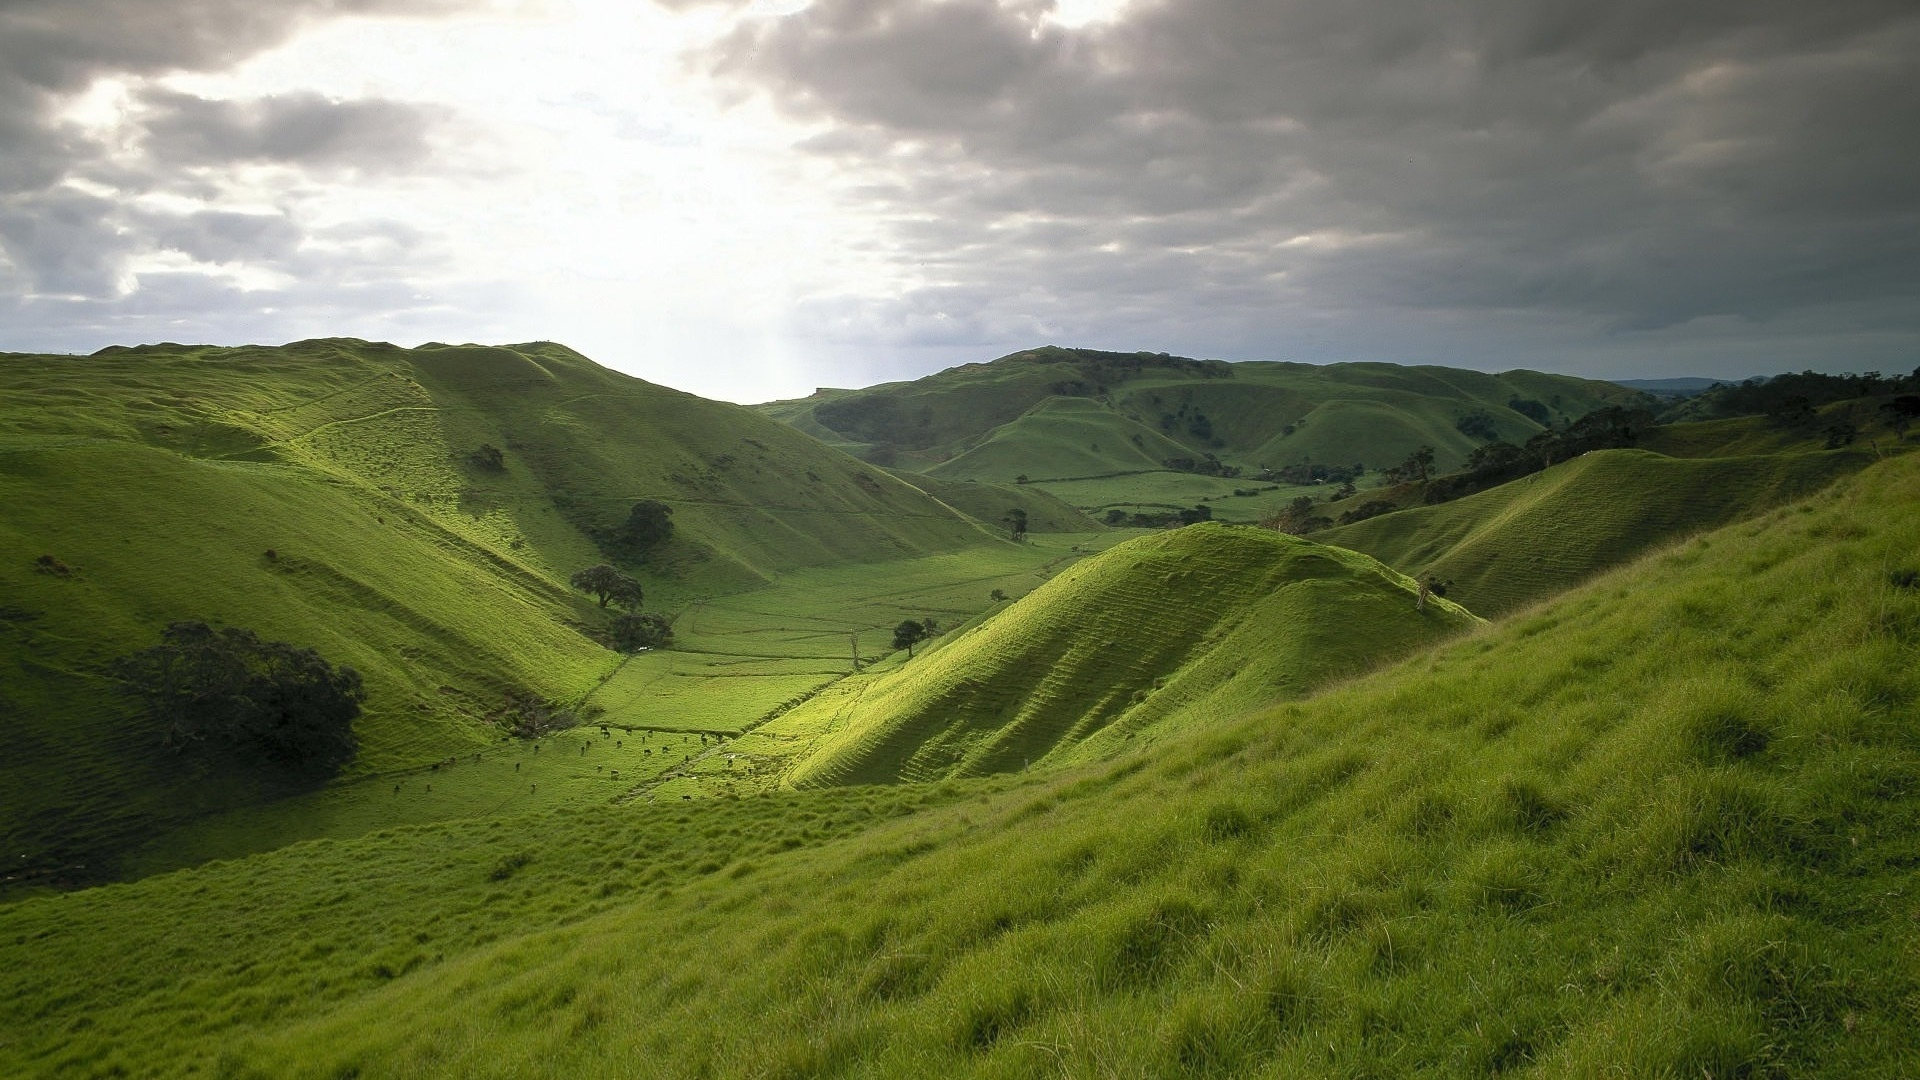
(677, 692)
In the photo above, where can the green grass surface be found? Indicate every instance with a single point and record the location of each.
(1662, 826)
(1191, 625)
(1054, 412)
(164, 476)
(1535, 537)
(989, 504)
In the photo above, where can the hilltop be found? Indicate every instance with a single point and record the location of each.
(1535, 537)
(1661, 825)
(1190, 626)
(1057, 414)
(336, 494)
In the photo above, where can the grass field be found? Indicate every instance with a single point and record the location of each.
(1660, 826)
(324, 493)
(1190, 625)
(1533, 538)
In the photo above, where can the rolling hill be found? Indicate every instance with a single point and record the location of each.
(1192, 625)
(1054, 413)
(1663, 826)
(328, 493)
(1540, 535)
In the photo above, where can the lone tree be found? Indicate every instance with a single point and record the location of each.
(910, 633)
(609, 585)
(229, 689)
(1016, 523)
(648, 524)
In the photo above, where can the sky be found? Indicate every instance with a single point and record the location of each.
(748, 199)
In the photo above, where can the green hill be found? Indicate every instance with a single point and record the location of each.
(1662, 826)
(1055, 413)
(1529, 539)
(325, 493)
(988, 504)
(1197, 623)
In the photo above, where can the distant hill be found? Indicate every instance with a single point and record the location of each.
(1054, 413)
(1204, 621)
(1541, 535)
(1672, 388)
(327, 493)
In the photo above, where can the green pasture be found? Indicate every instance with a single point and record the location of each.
(1535, 537)
(1192, 624)
(1662, 825)
(325, 493)
(1159, 492)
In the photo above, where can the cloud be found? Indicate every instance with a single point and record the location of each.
(1620, 168)
(69, 225)
(305, 129)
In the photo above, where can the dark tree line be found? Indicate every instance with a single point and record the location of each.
(230, 690)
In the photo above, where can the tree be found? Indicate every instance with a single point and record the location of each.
(635, 631)
(908, 634)
(1417, 467)
(1016, 522)
(1535, 411)
(608, 585)
(227, 688)
(1196, 515)
(997, 595)
(487, 459)
(649, 524)
(1902, 412)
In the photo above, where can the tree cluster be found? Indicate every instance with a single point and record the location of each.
(1792, 398)
(229, 689)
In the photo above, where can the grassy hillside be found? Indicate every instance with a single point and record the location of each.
(1055, 413)
(988, 504)
(323, 493)
(1662, 826)
(1194, 624)
(1537, 536)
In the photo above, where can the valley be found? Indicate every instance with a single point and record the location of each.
(1036, 717)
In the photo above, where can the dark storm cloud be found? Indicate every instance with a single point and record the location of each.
(61, 239)
(1621, 168)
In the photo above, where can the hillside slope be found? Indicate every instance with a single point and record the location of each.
(1053, 413)
(324, 493)
(1523, 541)
(1662, 826)
(1200, 622)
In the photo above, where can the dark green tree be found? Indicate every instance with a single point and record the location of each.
(608, 585)
(641, 630)
(229, 688)
(1418, 466)
(648, 524)
(1016, 522)
(488, 459)
(908, 634)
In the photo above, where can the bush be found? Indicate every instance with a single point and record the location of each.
(228, 688)
(635, 631)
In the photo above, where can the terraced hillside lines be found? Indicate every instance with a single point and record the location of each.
(1529, 539)
(1107, 637)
